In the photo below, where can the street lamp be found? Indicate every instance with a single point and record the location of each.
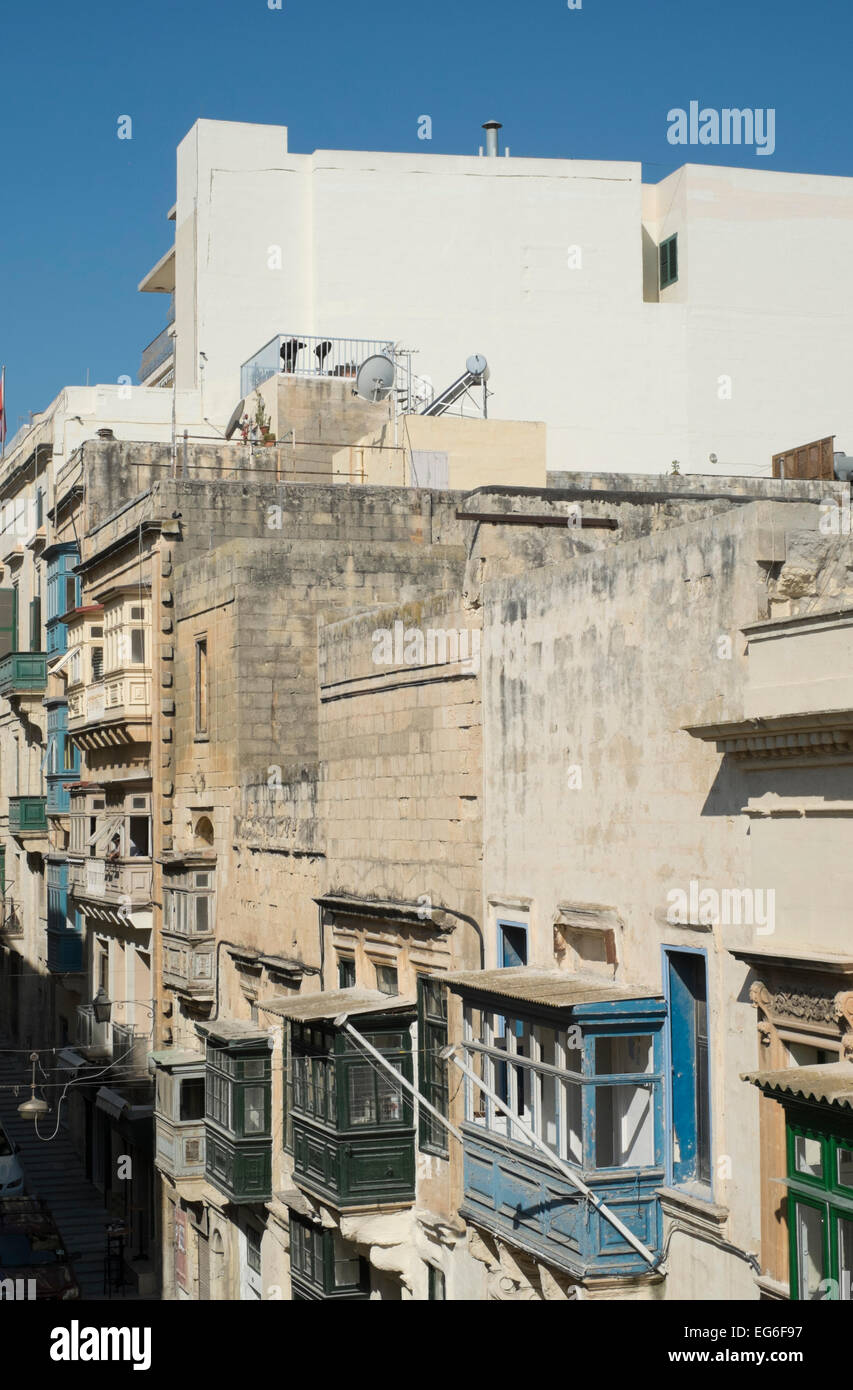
(101, 1006)
(33, 1109)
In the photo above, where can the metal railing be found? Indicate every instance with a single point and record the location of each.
(160, 348)
(301, 354)
(129, 1047)
(91, 1033)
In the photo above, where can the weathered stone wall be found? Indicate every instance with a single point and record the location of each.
(595, 795)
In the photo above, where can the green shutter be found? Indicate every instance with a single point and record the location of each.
(35, 625)
(7, 621)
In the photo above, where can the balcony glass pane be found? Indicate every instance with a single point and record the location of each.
(809, 1229)
(621, 1054)
(845, 1167)
(347, 1265)
(254, 1110)
(808, 1156)
(845, 1259)
(362, 1095)
(390, 1098)
(624, 1130)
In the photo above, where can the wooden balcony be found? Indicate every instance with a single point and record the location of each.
(23, 675)
(28, 817)
(113, 712)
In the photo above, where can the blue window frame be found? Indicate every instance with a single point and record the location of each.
(512, 944)
(689, 1092)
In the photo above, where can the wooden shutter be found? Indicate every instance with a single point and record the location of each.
(7, 621)
(35, 625)
(203, 1268)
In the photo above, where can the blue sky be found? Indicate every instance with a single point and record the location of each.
(83, 213)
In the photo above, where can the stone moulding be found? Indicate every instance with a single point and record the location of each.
(822, 735)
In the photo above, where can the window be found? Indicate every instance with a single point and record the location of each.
(253, 1248)
(218, 1099)
(140, 837)
(542, 1085)
(188, 903)
(324, 1260)
(137, 646)
(688, 1043)
(436, 1284)
(512, 945)
(347, 1264)
(71, 592)
(432, 1036)
(345, 1087)
(192, 1098)
(201, 686)
(386, 979)
(35, 625)
(820, 1209)
(97, 663)
(668, 262)
(346, 972)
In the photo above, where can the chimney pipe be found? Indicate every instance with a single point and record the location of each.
(491, 128)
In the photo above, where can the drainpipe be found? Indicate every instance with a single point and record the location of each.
(449, 1054)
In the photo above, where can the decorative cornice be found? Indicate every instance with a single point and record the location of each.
(816, 735)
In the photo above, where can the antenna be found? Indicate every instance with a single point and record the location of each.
(375, 380)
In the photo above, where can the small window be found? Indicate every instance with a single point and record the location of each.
(192, 1098)
(386, 979)
(97, 663)
(346, 972)
(140, 837)
(253, 1248)
(70, 593)
(137, 646)
(254, 1110)
(347, 1264)
(137, 614)
(201, 686)
(512, 945)
(844, 1176)
(668, 262)
(808, 1156)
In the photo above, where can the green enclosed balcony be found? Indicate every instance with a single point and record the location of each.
(352, 1125)
(322, 1265)
(237, 1105)
(27, 816)
(23, 673)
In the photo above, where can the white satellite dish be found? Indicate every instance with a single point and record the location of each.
(375, 380)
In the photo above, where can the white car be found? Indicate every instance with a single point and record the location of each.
(11, 1172)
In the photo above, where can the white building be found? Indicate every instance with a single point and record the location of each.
(549, 267)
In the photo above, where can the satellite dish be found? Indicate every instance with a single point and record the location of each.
(375, 380)
(235, 419)
(478, 366)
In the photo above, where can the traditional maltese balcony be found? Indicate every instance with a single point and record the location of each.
(112, 712)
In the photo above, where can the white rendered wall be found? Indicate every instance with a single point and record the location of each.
(538, 264)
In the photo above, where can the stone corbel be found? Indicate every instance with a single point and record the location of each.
(844, 1005)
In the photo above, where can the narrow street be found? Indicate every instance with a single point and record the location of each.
(54, 1172)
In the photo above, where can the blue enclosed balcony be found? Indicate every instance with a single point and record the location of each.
(579, 1061)
(63, 593)
(64, 932)
(63, 759)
